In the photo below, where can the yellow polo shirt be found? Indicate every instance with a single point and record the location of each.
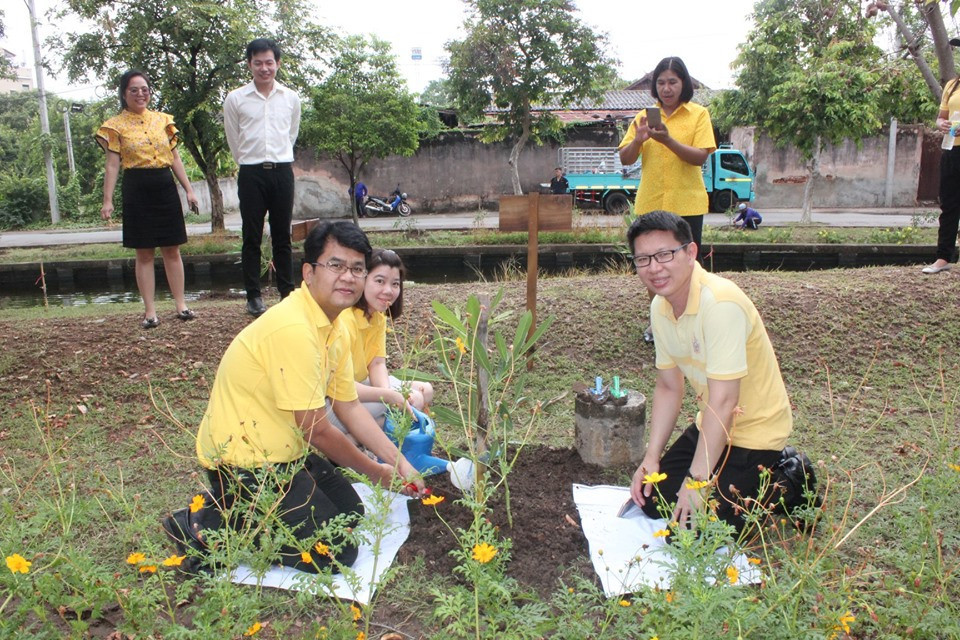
(285, 361)
(367, 338)
(951, 103)
(666, 182)
(721, 336)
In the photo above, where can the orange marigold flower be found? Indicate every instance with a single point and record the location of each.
(733, 574)
(18, 564)
(306, 558)
(955, 467)
(696, 485)
(432, 500)
(136, 558)
(483, 552)
(461, 345)
(361, 636)
(845, 621)
(253, 630)
(173, 561)
(148, 568)
(669, 596)
(197, 503)
(754, 560)
(661, 533)
(355, 610)
(624, 603)
(322, 549)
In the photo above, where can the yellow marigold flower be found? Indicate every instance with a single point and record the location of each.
(197, 503)
(696, 485)
(624, 603)
(136, 558)
(669, 596)
(733, 574)
(432, 500)
(253, 630)
(845, 621)
(655, 638)
(322, 549)
(955, 467)
(306, 558)
(754, 560)
(148, 568)
(361, 636)
(173, 561)
(661, 533)
(355, 610)
(654, 478)
(18, 564)
(483, 552)
(569, 589)
(461, 345)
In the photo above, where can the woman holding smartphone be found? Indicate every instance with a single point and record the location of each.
(674, 139)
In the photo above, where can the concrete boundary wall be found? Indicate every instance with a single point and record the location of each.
(851, 175)
(458, 172)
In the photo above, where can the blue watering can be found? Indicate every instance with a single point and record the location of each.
(418, 445)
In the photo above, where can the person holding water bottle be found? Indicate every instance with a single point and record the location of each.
(948, 121)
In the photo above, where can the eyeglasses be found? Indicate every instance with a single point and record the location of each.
(341, 268)
(660, 256)
(139, 90)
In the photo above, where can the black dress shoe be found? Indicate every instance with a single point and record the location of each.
(255, 307)
(178, 529)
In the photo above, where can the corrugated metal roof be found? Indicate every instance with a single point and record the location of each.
(615, 104)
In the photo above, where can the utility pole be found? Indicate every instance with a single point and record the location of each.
(66, 131)
(44, 119)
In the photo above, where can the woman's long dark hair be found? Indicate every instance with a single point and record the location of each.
(389, 258)
(125, 82)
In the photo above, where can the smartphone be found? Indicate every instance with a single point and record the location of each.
(195, 209)
(653, 117)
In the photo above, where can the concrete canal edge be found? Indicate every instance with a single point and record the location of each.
(465, 263)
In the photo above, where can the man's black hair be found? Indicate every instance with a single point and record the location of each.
(346, 235)
(659, 221)
(125, 82)
(260, 45)
(676, 65)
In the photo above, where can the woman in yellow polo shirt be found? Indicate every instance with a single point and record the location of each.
(143, 143)
(674, 152)
(367, 331)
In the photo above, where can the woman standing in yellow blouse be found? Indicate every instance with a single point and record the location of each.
(143, 143)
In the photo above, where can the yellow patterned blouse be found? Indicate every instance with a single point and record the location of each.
(144, 141)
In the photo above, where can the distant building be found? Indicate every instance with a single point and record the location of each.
(23, 77)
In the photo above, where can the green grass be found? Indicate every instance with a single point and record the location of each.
(870, 359)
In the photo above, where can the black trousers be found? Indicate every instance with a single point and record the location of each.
(260, 191)
(949, 204)
(739, 470)
(696, 229)
(315, 493)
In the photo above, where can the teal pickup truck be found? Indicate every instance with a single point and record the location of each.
(598, 181)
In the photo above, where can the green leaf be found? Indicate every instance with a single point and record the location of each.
(449, 318)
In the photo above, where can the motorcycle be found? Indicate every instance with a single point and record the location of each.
(397, 201)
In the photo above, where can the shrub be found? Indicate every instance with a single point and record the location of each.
(22, 201)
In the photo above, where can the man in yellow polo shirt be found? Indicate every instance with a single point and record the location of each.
(707, 332)
(267, 412)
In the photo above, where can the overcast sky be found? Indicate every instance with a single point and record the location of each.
(640, 33)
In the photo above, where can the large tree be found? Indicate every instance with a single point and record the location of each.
(193, 51)
(808, 74)
(361, 110)
(520, 54)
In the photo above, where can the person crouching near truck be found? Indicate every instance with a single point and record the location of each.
(674, 142)
(747, 217)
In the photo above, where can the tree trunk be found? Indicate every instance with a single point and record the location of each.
(911, 43)
(517, 148)
(806, 214)
(941, 41)
(216, 202)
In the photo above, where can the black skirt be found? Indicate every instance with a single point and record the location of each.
(152, 213)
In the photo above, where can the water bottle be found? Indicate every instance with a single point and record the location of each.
(951, 136)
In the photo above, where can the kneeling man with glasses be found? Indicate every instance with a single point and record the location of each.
(266, 439)
(708, 332)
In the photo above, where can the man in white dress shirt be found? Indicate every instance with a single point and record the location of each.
(262, 120)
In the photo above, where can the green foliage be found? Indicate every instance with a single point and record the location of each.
(520, 54)
(437, 93)
(361, 111)
(899, 235)
(193, 51)
(23, 200)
